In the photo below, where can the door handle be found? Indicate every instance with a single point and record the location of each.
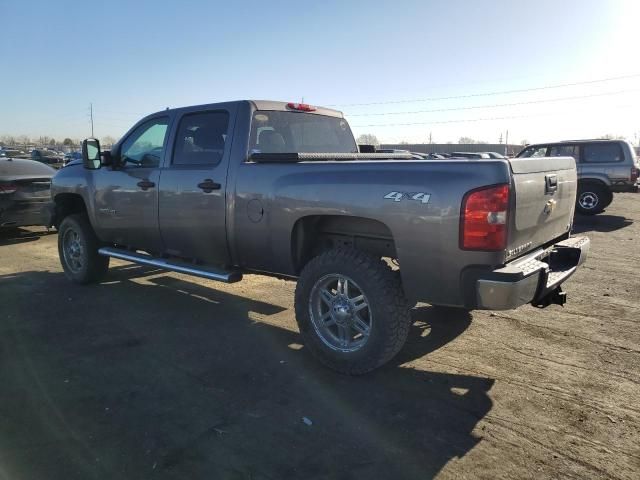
(146, 184)
(209, 185)
(551, 183)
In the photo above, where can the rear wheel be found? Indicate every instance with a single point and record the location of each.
(592, 199)
(78, 250)
(351, 311)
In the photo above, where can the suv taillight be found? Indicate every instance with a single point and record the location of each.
(6, 188)
(635, 173)
(484, 219)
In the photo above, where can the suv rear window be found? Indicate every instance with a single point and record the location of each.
(565, 151)
(602, 153)
(534, 152)
(295, 132)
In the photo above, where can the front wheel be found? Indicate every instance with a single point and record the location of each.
(78, 250)
(592, 199)
(351, 311)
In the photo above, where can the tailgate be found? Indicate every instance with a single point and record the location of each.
(545, 194)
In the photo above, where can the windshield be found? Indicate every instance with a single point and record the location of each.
(295, 132)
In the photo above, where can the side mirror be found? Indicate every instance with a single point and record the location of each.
(91, 154)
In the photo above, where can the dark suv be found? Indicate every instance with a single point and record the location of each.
(604, 167)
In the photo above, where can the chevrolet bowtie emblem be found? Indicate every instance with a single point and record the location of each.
(549, 206)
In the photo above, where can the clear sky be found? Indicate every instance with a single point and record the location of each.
(131, 58)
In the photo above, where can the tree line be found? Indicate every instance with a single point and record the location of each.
(24, 141)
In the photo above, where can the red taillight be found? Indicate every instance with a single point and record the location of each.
(6, 188)
(484, 219)
(635, 173)
(303, 107)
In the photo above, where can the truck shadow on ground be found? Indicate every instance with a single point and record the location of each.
(599, 223)
(11, 236)
(150, 375)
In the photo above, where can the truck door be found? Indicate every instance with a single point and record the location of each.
(126, 198)
(193, 187)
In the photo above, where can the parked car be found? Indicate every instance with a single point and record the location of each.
(258, 186)
(469, 155)
(71, 156)
(46, 156)
(495, 155)
(24, 192)
(10, 153)
(604, 168)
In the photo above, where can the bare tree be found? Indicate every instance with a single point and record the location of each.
(368, 139)
(23, 140)
(107, 140)
(610, 136)
(469, 140)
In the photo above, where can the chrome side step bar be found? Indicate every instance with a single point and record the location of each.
(174, 266)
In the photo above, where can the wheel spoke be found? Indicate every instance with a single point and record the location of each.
(359, 303)
(344, 334)
(361, 326)
(326, 296)
(327, 320)
(342, 286)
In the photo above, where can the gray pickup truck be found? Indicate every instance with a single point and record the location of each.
(280, 189)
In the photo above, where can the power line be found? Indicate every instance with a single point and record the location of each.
(513, 104)
(487, 94)
(484, 119)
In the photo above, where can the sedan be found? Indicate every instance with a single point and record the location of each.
(25, 196)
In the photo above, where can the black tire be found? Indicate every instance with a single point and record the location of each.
(592, 198)
(81, 263)
(387, 311)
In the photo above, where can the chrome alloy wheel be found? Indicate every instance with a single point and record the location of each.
(340, 313)
(72, 249)
(588, 200)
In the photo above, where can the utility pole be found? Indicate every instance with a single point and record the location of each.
(506, 143)
(430, 138)
(91, 115)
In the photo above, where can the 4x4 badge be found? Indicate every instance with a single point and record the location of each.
(417, 196)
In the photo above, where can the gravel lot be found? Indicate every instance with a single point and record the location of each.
(158, 375)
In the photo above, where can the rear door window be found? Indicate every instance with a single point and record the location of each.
(602, 153)
(201, 138)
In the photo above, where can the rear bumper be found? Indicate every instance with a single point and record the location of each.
(23, 214)
(622, 188)
(534, 279)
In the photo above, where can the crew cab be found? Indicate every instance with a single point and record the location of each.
(281, 189)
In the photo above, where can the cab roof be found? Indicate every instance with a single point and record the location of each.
(262, 105)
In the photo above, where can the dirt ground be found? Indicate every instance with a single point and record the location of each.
(158, 375)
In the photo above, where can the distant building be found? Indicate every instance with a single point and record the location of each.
(456, 147)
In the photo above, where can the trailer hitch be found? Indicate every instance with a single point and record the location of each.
(555, 296)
